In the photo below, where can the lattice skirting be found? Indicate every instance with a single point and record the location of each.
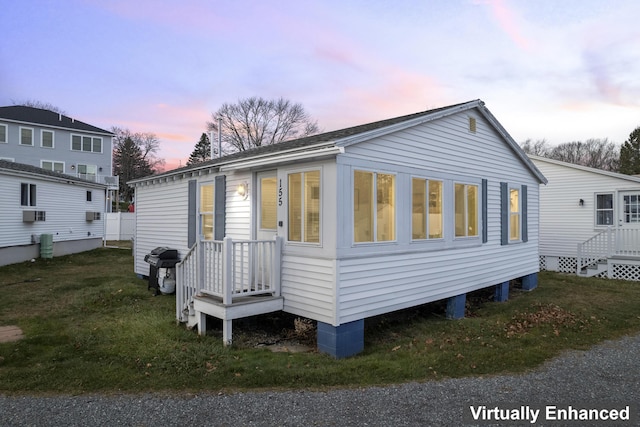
(625, 271)
(562, 264)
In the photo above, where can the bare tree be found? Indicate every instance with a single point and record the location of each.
(254, 122)
(147, 142)
(538, 148)
(39, 104)
(595, 153)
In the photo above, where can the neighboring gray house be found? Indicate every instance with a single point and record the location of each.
(345, 225)
(56, 142)
(589, 221)
(36, 202)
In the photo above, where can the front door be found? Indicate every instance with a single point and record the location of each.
(629, 202)
(267, 206)
(266, 226)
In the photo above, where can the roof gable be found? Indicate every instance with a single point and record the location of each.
(354, 135)
(39, 116)
(630, 178)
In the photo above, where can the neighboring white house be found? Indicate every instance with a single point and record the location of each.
(35, 201)
(346, 225)
(589, 221)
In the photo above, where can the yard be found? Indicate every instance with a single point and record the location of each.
(90, 325)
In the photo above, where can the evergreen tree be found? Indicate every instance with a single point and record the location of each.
(201, 152)
(129, 163)
(630, 154)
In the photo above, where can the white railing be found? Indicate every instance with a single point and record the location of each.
(186, 284)
(111, 181)
(228, 269)
(627, 242)
(607, 243)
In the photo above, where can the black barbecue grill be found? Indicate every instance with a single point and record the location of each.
(162, 260)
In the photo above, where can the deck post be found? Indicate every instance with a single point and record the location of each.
(455, 306)
(277, 265)
(227, 270)
(202, 323)
(341, 341)
(227, 326)
(502, 292)
(530, 282)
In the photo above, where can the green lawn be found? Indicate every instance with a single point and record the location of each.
(91, 325)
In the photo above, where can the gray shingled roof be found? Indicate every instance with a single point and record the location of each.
(308, 141)
(39, 116)
(21, 167)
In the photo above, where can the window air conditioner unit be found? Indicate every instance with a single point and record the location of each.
(92, 216)
(32, 216)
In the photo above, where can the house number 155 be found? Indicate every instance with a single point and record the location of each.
(280, 193)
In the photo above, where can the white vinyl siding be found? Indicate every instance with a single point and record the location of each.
(563, 221)
(64, 206)
(308, 287)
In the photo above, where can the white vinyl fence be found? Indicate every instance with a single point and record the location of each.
(120, 225)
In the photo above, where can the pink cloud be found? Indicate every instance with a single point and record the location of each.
(509, 21)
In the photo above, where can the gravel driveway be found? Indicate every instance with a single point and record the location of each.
(607, 373)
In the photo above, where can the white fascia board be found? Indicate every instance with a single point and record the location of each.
(345, 142)
(283, 157)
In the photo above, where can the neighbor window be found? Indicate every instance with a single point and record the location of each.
(89, 196)
(304, 207)
(604, 209)
(87, 172)
(206, 211)
(46, 140)
(86, 143)
(52, 166)
(514, 214)
(27, 194)
(374, 207)
(3, 134)
(426, 209)
(26, 136)
(466, 210)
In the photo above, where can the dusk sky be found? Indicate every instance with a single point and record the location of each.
(559, 70)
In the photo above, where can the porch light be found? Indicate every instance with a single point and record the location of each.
(243, 190)
(581, 202)
(73, 167)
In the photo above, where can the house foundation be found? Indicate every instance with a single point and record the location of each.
(455, 306)
(341, 341)
(502, 292)
(530, 282)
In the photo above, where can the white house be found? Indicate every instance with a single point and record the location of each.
(589, 221)
(36, 202)
(346, 225)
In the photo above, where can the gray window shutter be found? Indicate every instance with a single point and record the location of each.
(485, 210)
(192, 212)
(219, 207)
(525, 225)
(504, 213)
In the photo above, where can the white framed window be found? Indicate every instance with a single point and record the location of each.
(4, 134)
(51, 165)
(374, 206)
(27, 194)
(427, 209)
(515, 211)
(86, 143)
(26, 136)
(206, 210)
(304, 224)
(604, 209)
(88, 172)
(631, 208)
(47, 139)
(466, 208)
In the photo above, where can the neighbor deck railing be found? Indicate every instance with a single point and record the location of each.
(607, 243)
(228, 269)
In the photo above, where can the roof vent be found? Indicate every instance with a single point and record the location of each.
(472, 124)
